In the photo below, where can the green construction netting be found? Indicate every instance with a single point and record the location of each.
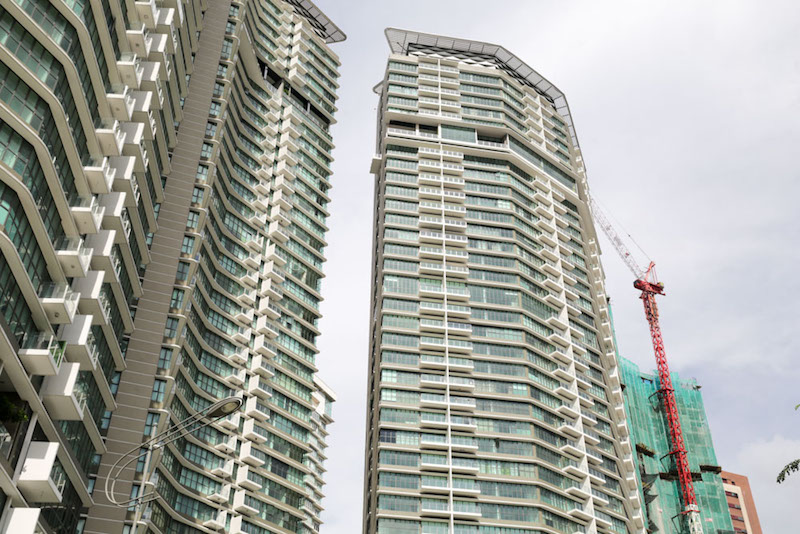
(656, 471)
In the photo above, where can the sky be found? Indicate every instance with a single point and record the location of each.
(688, 116)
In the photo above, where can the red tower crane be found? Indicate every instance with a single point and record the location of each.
(647, 283)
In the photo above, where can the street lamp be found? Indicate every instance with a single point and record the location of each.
(194, 422)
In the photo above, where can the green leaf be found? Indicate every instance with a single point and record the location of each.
(790, 468)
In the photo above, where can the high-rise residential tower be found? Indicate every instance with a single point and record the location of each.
(657, 473)
(494, 396)
(163, 191)
(231, 305)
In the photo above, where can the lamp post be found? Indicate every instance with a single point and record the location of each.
(194, 422)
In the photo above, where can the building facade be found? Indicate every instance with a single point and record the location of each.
(89, 102)
(495, 404)
(741, 505)
(163, 192)
(657, 473)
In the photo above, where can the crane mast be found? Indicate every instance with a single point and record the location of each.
(648, 285)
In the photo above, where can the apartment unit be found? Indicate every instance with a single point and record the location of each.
(163, 199)
(495, 403)
(657, 473)
(741, 505)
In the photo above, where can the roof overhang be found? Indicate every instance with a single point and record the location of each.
(325, 28)
(407, 42)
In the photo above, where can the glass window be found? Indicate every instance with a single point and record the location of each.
(456, 133)
(183, 271)
(164, 358)
(188, 244)
(171, 327)
(159, 388)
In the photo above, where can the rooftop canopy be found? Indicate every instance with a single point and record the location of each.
(408, 42)
(325, 28)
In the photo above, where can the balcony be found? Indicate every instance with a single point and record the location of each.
(224, 469)
(580, 513)
(258, 386)
(253, 432)
(61, 395)
(244, 481)
(227, 445)
(110, 136)
(42, 479)
(73, 256)
(573, 447)
(87, 214)
(247, 455)
(239, 504)
(264, 347)
(242, 335)
(216, 521)
(41, 354)
(22, 521)
(585, 399)
(259, 365)
(272, 290)
(566, 391)
(266, 327)
(245, 316)
(277, 233)
(593, 456)
(579, 492)
(256, 243)
(236, 377)
(120, 101)
(115, 216)
(230, 422)
(93, 302)
(438, 308)
(221, 495)
(255, 409)
(59, 302)
(570, 428)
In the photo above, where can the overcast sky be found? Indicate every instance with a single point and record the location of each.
(687, 114)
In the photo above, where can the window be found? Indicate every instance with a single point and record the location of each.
(207, 150)
(459, 134)
(227, 49)
(197, 195)
(142, 460)
(211, 129)
(183, 271)
(159, 388)
(134, 494)
(187, 247)
(114, 385)
(192, 220)
(202, 173)
(151, 423)
(164, 358)
(171, 327)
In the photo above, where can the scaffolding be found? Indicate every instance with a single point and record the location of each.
(656, 469)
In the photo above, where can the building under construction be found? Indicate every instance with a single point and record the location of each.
(656, 469)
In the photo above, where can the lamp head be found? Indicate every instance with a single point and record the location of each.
(224, 407)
